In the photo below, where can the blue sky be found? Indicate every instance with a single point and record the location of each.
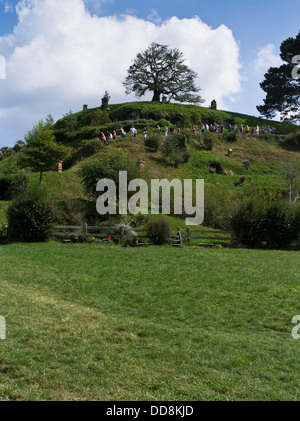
(258, 28)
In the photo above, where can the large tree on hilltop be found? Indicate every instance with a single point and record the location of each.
(282, 84)
(162, 70)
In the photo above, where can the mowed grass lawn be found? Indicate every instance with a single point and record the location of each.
(94, 322)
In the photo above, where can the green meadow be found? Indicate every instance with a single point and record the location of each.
(102, 322)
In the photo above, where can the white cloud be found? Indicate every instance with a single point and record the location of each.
(266, 58)
(8, 7)
(57, 60)
(154, 16)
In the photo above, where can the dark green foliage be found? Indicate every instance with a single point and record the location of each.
(71, 121)
(60, 135)
(153, 141)
(88, 132)
(293, 139)
(207, 139)
(282, 225)
(282, 89)
(31, 216)
(276, 223)
(92, 147)
(248, 223)
(230, 136)
(108, 166)
(13, 184)
(162, 123)
(159, 231)
(174, 148)
(100, 117)
(18, 146)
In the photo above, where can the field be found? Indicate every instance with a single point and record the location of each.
(94, 322)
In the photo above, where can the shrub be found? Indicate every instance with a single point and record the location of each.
(108, 166)
(230, 136)
(248, 223)
(293, 139)
(207, 139)
(88, 132)
(153, 141)
(60, 135)
(13, 184)
(91, 147)
(174, 148)
(31, 216)
(163, 123)
(159, 231)
(282, 224)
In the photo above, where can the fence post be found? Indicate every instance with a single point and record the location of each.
(188, 234)
(85, 228)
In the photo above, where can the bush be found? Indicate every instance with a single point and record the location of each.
(91, 147)
(159, 231)
(282, 224)
(163, 123)
(248, 223)
(293, 139)
(153, 141)
(88, 132)
(13, 184)
(207, 139)
(60, 135)
(230, 136)
(174, 148)
(31, 216)
(108, 166)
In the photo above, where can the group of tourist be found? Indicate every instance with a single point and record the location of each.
(216, 128)
(120, 133)
(213, 128)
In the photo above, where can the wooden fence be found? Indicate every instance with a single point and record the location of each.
(188, 234)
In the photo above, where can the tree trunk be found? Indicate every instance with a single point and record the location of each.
(156, 96)
(41, 175)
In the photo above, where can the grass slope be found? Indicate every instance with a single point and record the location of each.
(162, 324)
(190, 113)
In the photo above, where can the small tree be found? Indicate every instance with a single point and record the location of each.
(42, 151)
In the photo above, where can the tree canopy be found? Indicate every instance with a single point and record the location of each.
(161, 70)
(282, 84)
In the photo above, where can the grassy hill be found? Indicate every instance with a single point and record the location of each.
(262, 161)
(190, 114)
